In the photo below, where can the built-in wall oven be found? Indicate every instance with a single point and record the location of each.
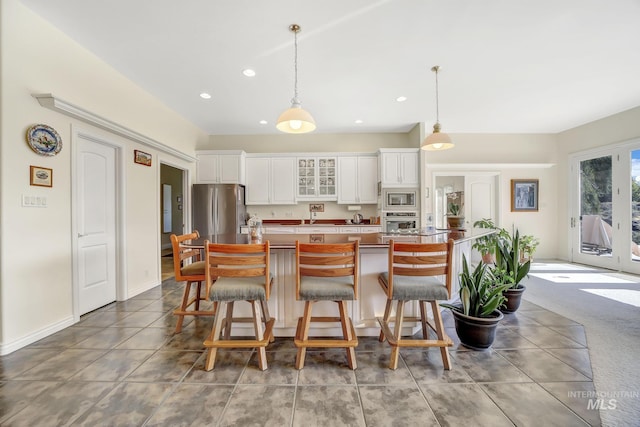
(395, 199)
(400, 222)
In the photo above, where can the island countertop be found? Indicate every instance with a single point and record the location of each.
(367, 240)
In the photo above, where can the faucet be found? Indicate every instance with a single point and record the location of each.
(312, 218)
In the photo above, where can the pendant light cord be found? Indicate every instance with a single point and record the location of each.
(295, 67)
(435, 69)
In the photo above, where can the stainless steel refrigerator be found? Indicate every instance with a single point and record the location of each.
(218, 208)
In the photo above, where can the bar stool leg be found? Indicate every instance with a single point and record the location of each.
(346, 332)
(215, 336)
(397, 333)
(228, 321)
(437, 319)
(257, 326)
(387, 315)
(304, 334)
(266, 317)
(423, 319)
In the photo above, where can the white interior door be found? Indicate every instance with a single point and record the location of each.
(480, 198)
(95, 182)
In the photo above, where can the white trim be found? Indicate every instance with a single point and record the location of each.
(47, 100)
(36, 336)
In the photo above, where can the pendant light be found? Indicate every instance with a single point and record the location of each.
(295, 119)
(437, 141)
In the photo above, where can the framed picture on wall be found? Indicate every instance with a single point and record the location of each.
(142, 158)
(524, 195)
(42, 177)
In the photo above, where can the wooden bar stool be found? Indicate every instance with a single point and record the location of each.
(326, 272)
(411, 277)
(190, 273)
(242, 272)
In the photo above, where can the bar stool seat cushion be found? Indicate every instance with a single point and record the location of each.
(421, 288)
(326, 288)
(194, 269)
(239, 289)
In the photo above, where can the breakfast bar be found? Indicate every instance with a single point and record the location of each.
(371, 300)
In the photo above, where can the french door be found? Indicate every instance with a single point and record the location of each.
(605, 217)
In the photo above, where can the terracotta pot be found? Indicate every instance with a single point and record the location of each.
(455, 222)
(514, 296)
(488, 258)
(477, 333)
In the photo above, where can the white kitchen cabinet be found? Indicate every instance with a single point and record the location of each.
(400, 167)
(270, 180)
(358, 179)
(316, 178)
(220, 167)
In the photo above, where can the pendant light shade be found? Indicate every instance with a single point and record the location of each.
(295, 119)
(437, 141)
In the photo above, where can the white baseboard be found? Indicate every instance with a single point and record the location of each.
(6, 348)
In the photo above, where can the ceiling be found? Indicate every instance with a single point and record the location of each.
(529, 66)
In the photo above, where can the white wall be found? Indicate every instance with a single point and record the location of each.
(35, 243)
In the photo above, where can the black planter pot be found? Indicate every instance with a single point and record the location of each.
(477, 332)
(513, 299)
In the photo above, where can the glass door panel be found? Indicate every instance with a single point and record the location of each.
(634, 212)
(596, 207)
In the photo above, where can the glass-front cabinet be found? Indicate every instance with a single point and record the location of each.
(317, 178)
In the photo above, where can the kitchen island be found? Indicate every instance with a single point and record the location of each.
(373, 261)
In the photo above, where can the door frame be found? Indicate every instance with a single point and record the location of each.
(186, 201)
(95, 136)
(436, 172)
(621, 217)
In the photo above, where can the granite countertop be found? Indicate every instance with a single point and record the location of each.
(317, 222)
(367, 240)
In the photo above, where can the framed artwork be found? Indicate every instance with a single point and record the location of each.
(40, 176)
(524, 195)
(316, 207)
(142, 158)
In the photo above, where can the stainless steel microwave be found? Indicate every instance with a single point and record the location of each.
(398, 199)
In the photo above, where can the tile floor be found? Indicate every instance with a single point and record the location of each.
(122, 365)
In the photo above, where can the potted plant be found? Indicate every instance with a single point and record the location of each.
(477, 316)
(510, 270)
(528, 245)
(486, 245)
(454, 219)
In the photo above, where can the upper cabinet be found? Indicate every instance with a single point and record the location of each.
(220, 167)
(270, 180)
(400, 167)
(358, 179)
(317, 178)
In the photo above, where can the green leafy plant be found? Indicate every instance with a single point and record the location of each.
(488, 244)
(509, 268)
(479, 294)
(528, 245)
(454, 209)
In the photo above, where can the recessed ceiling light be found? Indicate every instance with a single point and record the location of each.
(263, 122)
(358, 121)
(205, 95)
(249, 72)
(401, 98)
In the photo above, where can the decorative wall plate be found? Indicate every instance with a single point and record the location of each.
(44, 140)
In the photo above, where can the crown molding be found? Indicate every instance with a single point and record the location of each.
(51, 102)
